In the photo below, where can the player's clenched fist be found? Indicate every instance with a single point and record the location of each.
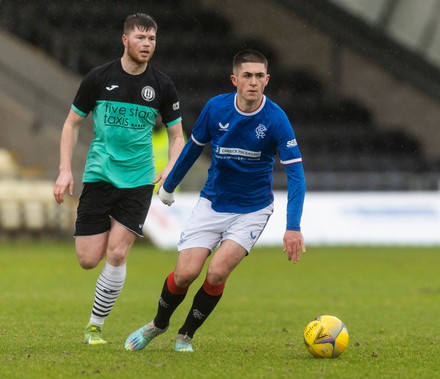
(166, 197)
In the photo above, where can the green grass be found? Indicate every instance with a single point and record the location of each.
(389, 298)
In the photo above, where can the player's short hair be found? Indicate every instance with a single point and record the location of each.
(141, 21)
(248, 56)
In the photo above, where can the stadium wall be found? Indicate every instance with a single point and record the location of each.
(390, 218)
(35, 96)
(297, 43)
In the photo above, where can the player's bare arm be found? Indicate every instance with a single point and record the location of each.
(69, 136)
(176, 143)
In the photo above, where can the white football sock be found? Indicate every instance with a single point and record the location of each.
(108, 287)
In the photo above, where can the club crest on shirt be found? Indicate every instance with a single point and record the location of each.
(260, 131)
(148, 93)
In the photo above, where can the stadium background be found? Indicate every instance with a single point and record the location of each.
(360, 81)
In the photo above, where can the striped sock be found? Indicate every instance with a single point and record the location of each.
(108, 288)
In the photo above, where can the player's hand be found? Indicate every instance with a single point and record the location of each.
(166, 197)
(293, 242)
(63, 182)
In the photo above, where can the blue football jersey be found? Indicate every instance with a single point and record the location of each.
(244, 146)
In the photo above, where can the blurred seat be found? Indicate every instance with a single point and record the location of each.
(8, 167)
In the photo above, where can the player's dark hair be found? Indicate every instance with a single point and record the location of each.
(141, 21)
(248, 56)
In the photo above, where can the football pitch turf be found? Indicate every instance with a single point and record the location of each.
(389, 298)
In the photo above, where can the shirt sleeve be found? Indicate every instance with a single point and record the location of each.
(286, 142)
(193, 148)
(85, 99)
(201, 131)
(290, 158)
(170, 109)
(296, 189)
(187, 157)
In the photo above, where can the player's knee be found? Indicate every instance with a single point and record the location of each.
(185, 278)
(116, 257)
(87, 262)
(89, 251)
(89, 258)
(217, 277)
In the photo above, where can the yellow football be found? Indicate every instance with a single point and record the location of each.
(326, 337)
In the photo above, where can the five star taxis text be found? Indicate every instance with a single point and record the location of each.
(123, 116)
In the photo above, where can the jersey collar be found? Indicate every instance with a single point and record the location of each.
(263, 102)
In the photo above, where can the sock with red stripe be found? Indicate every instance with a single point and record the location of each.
(204, 303)
(170, 298)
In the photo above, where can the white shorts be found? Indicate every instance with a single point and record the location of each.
(207, 228)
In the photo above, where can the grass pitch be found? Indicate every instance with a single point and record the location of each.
(389, 298)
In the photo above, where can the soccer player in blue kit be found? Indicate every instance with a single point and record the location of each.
(246, 130)
(126, 96)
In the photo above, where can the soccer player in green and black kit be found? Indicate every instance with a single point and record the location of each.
(126, 96)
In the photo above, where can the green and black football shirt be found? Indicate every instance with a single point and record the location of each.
(125, 108)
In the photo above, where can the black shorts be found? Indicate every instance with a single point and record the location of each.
(101, 201)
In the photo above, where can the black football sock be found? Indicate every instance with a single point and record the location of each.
(170, 298)
(204, 303)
